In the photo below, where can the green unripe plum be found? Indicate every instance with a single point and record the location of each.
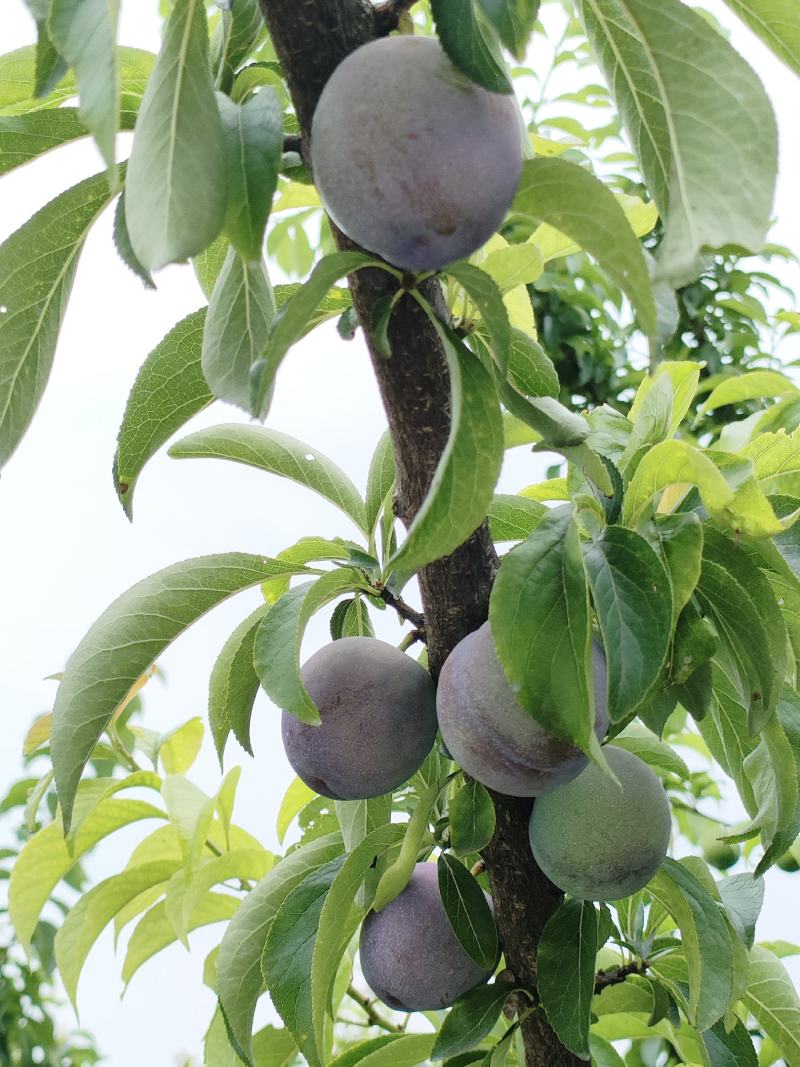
(412, 160)
(720, 854)
(788, 863)
(410, 956)
(491, 736)
(597, 841)
(378, 712)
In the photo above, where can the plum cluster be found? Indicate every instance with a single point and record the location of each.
(597, 836)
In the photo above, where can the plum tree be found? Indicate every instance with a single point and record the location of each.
(410, 956)
(598, 840)
(378, 711)
(490, 734)
(421, 186)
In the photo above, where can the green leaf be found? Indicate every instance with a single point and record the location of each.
(487, 298)
(185, 894)
(734, 1049)
(380, 480)
(277, 453)
(358, 818)
(468, 912)
(465, 477)
(539, 615)
(556, 425)
(239, 316)
(233, 685)
(603, 1053)
(785, 777)
(737, 597)
(239, 965)
(294, 800)
(700, 121)
(37, 269)
(291, 322)
(513, 518)
(351, 619)
(154, 932)
(85, 35)
(288, 953)
(576, 203)
(675, 463)
(514, 265)
(471, 1019)
(253, 135)
(92, 912)
(191, 812)
(466, 41)
(652, 750)
(26, 137)
(47, 857)
(743, 897)
(530, 370)
(125, 642)
(272, 1047)
(176, 188)
(472, 818)
(276, 652)
(706, 941)
(771, 997)
(513, 20)
(392, 1050)
(342, 910)
(169, 390)
(633, 602)
(565, 972)
(122, 243)
(178, 749)
(678, 539)
(754, 385)
(777, 23)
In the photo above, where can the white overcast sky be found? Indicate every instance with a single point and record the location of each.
(66, 549)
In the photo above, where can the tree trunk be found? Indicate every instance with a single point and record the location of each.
(311, 38)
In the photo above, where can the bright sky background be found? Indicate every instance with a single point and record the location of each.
(66, 549)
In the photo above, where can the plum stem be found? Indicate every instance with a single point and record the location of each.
(389, 14)
(368, 1008)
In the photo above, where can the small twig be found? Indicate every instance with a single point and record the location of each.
(411, 638)
(388, 15)
(405, 611)
(604, 979)
(367, 1007)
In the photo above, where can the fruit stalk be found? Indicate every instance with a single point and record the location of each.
(311, 38)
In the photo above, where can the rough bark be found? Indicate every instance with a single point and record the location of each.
(311, 38)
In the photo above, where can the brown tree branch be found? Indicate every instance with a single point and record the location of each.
(405, 611)
(604, 979)
(311, 37)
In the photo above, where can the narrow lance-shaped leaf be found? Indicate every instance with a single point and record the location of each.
(464, 481)
(576, 203)
(467, 911)
(277, 453)
(700, 122)
(777, 23)
(239, 974)
(539, 615)
(513, 20)
(276, 651)
(633, 600)
(127, 639)
(772, 999)
(240, 313)
(487, 298)
(565, 972)
(176, 189)
(122, 243)
(233, 685)
(470, 43)
(85, 32)
(472, 818)
(37, 269)
(169, 390)
(253, 134)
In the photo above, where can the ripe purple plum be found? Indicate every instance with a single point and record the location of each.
(378, 712)
(410, 956)
(412, 159)
(493, 738)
